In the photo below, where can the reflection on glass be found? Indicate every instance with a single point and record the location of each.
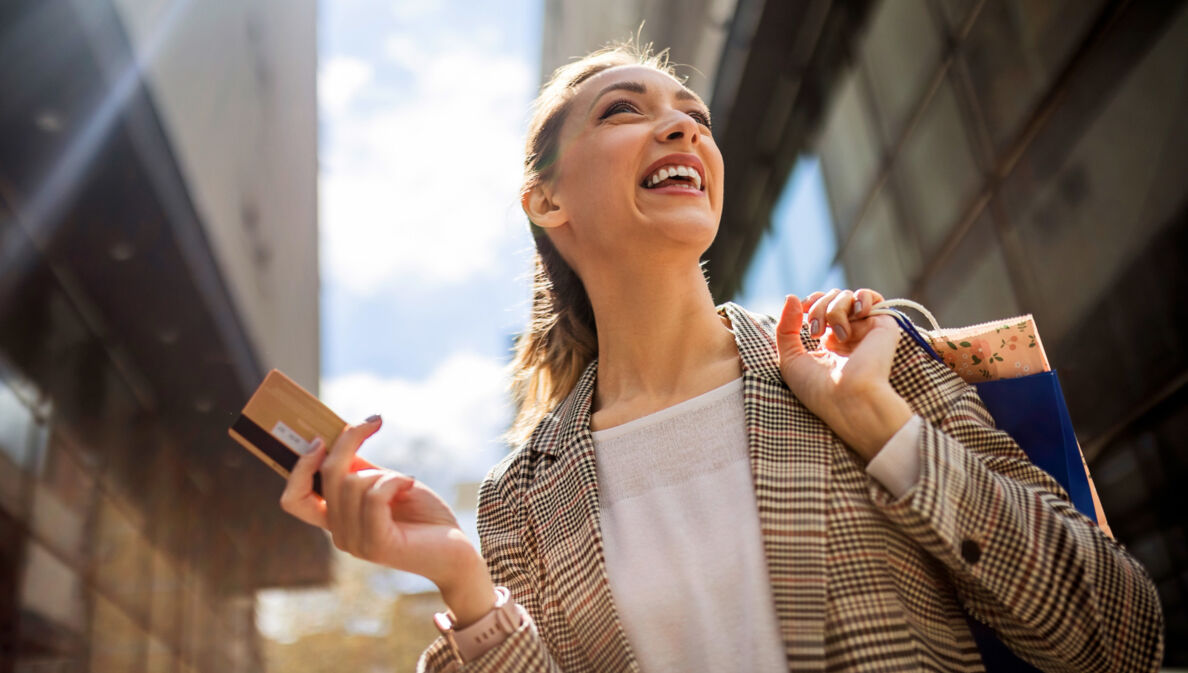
(1013, 53)
(974, 284)
(1119, 186)
(16, 423)
(53, 616)
(901, 53)
(117, 643)
(849, 152)
(880, 255)
(936, 171)
(121, 560)
(797, 251)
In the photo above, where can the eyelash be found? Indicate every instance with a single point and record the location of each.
(618, 106)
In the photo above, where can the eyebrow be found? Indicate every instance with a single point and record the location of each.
(638, 87)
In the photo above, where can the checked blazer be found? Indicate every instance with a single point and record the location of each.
(860, 580)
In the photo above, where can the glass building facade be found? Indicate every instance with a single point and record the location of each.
(134, 533)
(996, 158)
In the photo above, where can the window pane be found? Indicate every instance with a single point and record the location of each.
(902, 49)
(880, 256)
(1014, 51)
(936, 171)
(53, 615)
(973, 285)
(795, 254)
(121, 559)
(117, 643)
(1117, 188)
(62, 502)
(849, 152)
(956, 11)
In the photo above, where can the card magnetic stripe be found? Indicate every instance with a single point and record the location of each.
(271, 447)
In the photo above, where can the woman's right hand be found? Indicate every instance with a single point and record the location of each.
(389, 518)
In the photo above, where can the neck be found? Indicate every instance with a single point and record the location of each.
(660, 339)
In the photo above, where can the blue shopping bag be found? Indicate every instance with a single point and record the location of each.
(1031, 409)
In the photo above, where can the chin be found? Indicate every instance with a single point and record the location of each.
(692, 232)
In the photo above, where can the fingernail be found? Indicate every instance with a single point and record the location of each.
(372, 418)
(316, 444)
(816, 324)
(839, 333)
(857, 307)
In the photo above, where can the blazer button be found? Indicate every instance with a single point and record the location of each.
(970, 551)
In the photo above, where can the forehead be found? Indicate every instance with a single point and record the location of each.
(650, 78)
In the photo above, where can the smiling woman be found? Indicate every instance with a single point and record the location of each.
(703, 488)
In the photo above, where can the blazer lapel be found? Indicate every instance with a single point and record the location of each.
(790, 452)
(565, 509)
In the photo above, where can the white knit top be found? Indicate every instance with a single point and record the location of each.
(681, 530)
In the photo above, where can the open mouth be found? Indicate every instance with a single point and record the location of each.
(674, 175)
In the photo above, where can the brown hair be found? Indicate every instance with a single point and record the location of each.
(561, 338)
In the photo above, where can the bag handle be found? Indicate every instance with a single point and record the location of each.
(889, 307)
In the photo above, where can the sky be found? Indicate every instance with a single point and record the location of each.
(424, 252)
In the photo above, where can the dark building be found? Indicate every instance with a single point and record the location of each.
(142, 298)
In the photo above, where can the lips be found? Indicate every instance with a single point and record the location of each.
(678, 170)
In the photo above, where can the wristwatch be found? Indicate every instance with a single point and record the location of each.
(475, 640)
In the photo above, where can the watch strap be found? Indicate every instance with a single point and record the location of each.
(480, 637)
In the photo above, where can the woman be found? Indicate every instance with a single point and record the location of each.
(698, 488)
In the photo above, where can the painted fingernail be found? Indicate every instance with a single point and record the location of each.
(372, 418)
(857, 307)
(816, 324)
(839, 333)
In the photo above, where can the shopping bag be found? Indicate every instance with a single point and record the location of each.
(1005, 362)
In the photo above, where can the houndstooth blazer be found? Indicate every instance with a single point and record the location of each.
(861, 581)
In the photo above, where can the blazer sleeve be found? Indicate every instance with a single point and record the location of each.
(1059, 592)
(504, 548)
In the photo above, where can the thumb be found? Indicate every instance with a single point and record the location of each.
(788, 329)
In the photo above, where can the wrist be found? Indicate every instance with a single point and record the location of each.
(471, 594)
(879, 415)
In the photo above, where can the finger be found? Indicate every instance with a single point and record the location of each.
(817, 312)
(861, 304)
(837, 315)
(342, 457)
(808, 301)
(298, 498)
(864, 300)
(788, 329)
(377, 509)
(347, 527)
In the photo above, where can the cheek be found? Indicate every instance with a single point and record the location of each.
(595, 170)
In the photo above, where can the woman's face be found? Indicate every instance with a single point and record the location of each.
(638, 171)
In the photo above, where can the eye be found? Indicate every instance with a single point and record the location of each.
(701, 117)
(617, 107)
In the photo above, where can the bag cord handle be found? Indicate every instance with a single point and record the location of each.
(921, 337)
(887, 307)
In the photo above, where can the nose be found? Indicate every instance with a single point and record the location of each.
(677, 126)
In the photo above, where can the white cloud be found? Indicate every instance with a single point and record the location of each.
(339, 81)
(444, 429)
(425, 190)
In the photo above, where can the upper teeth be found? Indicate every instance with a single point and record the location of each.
(674, 171)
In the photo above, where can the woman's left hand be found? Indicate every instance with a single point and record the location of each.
(846, 381)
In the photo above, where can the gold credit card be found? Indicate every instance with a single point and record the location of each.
(280, 422)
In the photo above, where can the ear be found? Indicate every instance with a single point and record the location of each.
(541, 207)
